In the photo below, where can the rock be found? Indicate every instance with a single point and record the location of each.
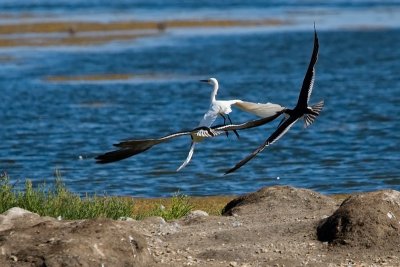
(129, 219)
(170, 228)
(17, 212)
(271, 198)
(17, 215)
(195, 216)
(154, 220)
(369, 220)
(50, 242)
(196, 213)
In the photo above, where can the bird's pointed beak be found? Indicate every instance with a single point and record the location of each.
(204, 81)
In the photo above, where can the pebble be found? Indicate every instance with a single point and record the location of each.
(233, 264)
(236, 224)
(196, 214)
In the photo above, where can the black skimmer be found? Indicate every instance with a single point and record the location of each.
(293, 115)
(130, 148)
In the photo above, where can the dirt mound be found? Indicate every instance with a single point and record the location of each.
(30, 240)
(275, 226)
(269, 199)
(370, 220)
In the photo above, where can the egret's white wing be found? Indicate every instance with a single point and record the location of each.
(262, 110)
(209, 118)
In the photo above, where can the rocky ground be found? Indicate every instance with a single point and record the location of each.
(275, 226)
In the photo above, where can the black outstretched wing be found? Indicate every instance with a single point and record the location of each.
(308, 82)
(129, 148)
(119, 154)
(275, 136)
(145, 142)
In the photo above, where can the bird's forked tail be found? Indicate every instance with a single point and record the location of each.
(189, 157)
(310, 118)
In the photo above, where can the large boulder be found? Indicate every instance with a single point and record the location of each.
(369, 219)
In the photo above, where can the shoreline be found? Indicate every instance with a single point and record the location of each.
(82, 33)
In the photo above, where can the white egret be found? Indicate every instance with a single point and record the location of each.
(217, 107)
(223, 108)
(292, 115)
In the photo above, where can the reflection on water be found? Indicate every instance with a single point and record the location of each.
(54, 123)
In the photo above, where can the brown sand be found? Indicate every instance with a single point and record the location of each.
(76, 32)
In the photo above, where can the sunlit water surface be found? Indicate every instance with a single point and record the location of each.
(353, 146)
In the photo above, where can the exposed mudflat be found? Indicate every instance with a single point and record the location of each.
(275, 226)
(81, 33)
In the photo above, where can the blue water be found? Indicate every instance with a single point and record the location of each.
(353, 146)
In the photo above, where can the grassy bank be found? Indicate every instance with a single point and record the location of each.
(56, 200)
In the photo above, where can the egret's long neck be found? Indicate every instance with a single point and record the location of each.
(214, 92)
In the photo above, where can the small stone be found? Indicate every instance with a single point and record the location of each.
(390, 215)
(236, 224)
(233, 264)
(196, 214)
(124, 218)
(17, 212)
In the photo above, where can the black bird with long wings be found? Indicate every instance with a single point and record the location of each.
(130, 148)
(293, 115)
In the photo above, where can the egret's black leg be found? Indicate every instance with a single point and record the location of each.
(226, 132)
(236, 133)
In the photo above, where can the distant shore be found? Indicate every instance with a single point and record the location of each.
(81, 33)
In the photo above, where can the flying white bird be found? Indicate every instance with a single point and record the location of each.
(217, 107)
(301, 110)
(223, 108)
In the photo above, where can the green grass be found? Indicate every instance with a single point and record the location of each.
(57, 201)
(178, 206)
